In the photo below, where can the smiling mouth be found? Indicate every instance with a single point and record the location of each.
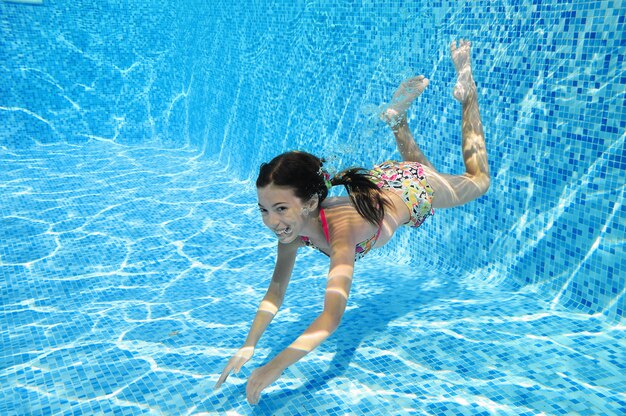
(286, 231)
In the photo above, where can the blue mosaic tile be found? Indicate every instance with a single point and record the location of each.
(130, 135)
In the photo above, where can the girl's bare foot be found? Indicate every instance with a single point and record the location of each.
(465, 87)
(402, 99)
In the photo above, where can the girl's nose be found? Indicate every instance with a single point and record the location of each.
(272, 220)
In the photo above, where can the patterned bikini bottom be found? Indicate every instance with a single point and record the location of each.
(407, 180)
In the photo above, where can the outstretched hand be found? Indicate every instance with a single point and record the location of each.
(260, 379)
(235, 363)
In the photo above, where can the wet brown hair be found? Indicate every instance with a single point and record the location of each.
(303, 172)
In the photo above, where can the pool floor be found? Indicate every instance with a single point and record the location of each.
(130, 275)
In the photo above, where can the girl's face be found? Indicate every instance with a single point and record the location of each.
(282, 211)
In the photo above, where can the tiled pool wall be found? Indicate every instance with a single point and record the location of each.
(245, 80)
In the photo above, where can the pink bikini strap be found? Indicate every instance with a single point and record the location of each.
(324, 225)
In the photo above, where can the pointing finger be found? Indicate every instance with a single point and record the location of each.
(223, 377)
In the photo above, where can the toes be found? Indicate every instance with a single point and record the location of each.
(418, 81)
(462, 43)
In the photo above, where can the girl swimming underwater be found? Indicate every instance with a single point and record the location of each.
(292, 191)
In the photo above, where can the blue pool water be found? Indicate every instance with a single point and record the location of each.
(133, 257)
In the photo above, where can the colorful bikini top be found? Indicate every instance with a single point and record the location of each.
(360, 250)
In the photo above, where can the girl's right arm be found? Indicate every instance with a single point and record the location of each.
(270, 304)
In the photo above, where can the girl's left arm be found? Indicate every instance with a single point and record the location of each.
(335, 300)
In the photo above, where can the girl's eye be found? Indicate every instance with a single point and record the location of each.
(281, 209)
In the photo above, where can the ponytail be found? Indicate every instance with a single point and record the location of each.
(305, 174)
(366, 197)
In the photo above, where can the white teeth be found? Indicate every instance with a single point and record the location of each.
(285, 231)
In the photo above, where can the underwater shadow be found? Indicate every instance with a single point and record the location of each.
(372, 315)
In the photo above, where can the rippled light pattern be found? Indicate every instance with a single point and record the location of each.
(133, 258)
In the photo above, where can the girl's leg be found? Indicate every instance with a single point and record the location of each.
(395, 115)
(454, 190)
(450, 190)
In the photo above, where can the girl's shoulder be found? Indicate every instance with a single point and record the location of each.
(344, 221)
(335, 201)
